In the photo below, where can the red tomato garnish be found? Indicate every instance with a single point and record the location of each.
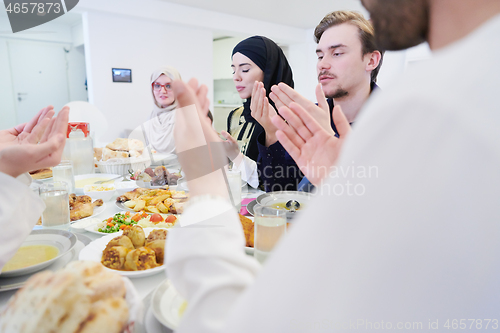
(170, 219)
(155, 218)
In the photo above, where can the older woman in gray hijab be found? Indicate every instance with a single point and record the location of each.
(160, 127)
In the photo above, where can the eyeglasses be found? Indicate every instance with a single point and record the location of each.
(156, 86)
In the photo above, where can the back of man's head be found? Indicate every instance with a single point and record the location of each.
(365, 28)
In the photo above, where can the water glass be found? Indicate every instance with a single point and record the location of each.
(63, 172)
(234, 180)
(56, 198)
(269, 226)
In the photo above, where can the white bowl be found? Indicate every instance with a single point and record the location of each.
(122, 166)
(125, 186)
(63, 240)
(96, 177)
(100, 191)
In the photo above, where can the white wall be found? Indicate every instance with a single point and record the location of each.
(222, 50)
(77, 74)
(52, 32)
(8, 116)
(302, 59)
(115, 41)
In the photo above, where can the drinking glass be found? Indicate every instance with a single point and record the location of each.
(234, 180)
(270, 225)
(63, 172)
(56, 198)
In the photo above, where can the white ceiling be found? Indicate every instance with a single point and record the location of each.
(296, 13)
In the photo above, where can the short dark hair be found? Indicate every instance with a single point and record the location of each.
(366, 32)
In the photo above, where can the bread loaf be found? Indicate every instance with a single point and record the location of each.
(83, 297)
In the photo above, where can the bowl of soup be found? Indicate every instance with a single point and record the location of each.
(280, 199)
(40, 249)
(92, 178)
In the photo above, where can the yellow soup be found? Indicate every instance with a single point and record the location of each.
(89, 181)
(31, 255)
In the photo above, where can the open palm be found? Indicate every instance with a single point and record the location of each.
(313, 148)
(27, 133)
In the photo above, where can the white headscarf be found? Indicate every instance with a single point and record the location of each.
(160, 127)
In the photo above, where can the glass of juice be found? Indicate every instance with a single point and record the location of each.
(56, 198)
(63, 172)
(269, 226)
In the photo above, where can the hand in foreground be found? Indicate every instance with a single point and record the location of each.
(284, 95)
(262, 111)
(16, 159)
(231, 145)
(30, 132)
(314, 149)
(200, 151)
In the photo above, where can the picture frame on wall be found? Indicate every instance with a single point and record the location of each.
(122, 75)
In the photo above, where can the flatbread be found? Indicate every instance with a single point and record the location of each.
(41, 174)
(48, 302)
(102, 282)
(98, 153)
(109, 154)
(122, 144)
(109, 315)
(134, 144)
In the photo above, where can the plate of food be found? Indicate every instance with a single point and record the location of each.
(133, 252)
(168, 305)
(121, 220)
(40, 249)
(82, 207)
(152, 201)
(91, 178)
(160, 176)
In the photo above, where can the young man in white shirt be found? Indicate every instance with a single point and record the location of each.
(418, 247)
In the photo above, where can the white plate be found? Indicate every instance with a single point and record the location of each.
(97, 211)
(17, 282)
(166, 303)
(250, 207)
(93, 252)
(90, 227)
(63, 240)
(79, 190)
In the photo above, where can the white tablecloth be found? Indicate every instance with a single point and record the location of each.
(145, 285)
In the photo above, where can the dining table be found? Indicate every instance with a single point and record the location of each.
(145, 286)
